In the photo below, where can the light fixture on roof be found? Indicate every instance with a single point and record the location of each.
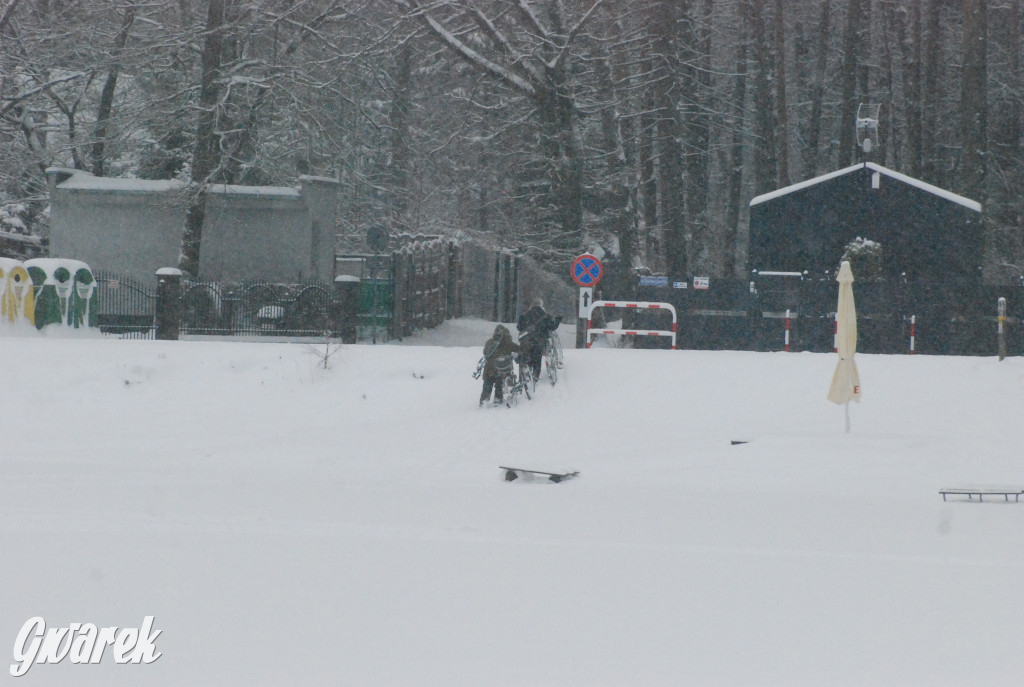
(867, 126)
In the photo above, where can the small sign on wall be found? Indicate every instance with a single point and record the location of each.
(586, 300)
(702, 282)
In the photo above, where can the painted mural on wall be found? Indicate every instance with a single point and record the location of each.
(47, 291)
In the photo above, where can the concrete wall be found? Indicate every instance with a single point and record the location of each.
(130, 227)
(134, 227)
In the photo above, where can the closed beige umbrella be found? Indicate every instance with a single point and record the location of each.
(845, 380)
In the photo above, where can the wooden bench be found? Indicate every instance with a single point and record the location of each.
(982, 493)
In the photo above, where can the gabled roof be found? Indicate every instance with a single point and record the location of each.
(935, 190)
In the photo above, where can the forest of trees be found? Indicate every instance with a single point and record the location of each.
(545, 127)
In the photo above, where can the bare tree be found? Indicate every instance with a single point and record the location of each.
(240, 69)
(813, 142)
(974, 99)
(764, 124)
(930, 96)
(910, 33)
(532, 56)
(848, 95)
(782, 116)
(106, 103)
(662, 20)
(734, 178)
(206, 155)
(545, 126)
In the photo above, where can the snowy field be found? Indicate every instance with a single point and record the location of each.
(293, 525)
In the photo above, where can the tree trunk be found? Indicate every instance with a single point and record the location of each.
(973, 99)
(848, 83)
(106, 104)
(695, 39)
(206, 156)
(735, 176)
(864, 44)
(781, 115)
(930, 90)
(765, 170)
(888, 131)
(647, 184)
(663, 19)
(812, 156)
(398, 165)
(615, 132)
(560, 139)
(909, 37)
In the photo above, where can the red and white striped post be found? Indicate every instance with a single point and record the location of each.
(632, 332)
(787, 330)
(835, 332)
(913, 332)
(1001, 320)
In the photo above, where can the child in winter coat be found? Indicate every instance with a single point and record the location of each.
(499, 345)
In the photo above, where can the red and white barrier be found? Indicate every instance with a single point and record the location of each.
(786, 338)
(913, 332)
(641, 305)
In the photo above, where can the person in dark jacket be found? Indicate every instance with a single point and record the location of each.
(535, 325)
(499, 345)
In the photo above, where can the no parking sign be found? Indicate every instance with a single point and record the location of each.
(586, 270)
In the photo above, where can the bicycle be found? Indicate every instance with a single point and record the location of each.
(512, 385)
(526, 376)
(553, 357)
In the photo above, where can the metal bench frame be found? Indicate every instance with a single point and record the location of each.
(982, 493)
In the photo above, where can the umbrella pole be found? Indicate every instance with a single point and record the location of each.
(847, 406)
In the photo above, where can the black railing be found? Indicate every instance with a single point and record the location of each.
(941, 318)
(127, 307)
(255, 309)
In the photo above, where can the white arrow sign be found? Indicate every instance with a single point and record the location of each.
(586, 299)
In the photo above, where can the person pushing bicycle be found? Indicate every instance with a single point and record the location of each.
(498, 346)
(535, 326)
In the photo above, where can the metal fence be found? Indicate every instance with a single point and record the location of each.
(761, 314)
(499, 286)
(417, 286)
(127, 307)
(255, 309)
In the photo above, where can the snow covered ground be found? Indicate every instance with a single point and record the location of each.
(293, 525)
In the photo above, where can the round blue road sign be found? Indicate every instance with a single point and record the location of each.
(586, 270)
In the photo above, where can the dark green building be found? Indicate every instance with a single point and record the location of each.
(926, 233)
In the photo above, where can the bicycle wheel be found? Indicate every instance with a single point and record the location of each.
(529, 383)
(551, 361)
(557, 348)
(508, 390)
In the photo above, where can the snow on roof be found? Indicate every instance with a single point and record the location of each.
(943, 193)
(231, 189)
(935, 190)
(309, 177)
(84, 181)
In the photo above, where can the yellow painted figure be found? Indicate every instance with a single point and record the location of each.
(17, 297)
